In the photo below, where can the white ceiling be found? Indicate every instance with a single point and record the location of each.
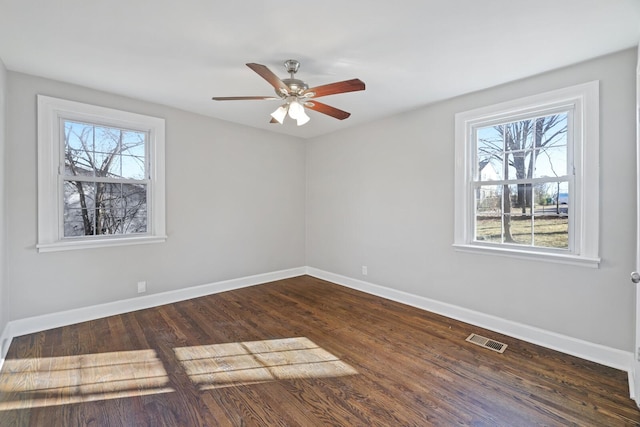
(409, 53)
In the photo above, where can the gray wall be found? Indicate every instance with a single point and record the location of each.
(235, 207)
(4, 292)
(381, 195)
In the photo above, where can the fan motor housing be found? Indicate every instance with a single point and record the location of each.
(296, 86)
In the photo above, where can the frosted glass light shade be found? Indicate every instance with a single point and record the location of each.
(295, 109)
(302, 118)
(280, 113)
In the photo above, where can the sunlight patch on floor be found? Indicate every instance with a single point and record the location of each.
(241, 363)
(47, 381)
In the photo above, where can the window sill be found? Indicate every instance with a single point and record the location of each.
(581, 261)
(69, 245)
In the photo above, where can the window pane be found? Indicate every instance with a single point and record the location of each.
(121, 205)
(519, 196)
(133, 155)
(553, 130)
(136, 224)
(551, 162)
(78, 149)
(79, 208)
(551, 226)
(489, 229)
(92, 150)
(134, 208)
(552, 231)
(490, 169)
(511, 172)
(516, 212)
(489, 213)
(133, 142)
(561, 198)
(518, 228)
(106, 140)
(104, 208)
(133, 167)
(114, 167)
(489, 152)
(544, 197)
(488, 199)
(489, 139)
(531, 148)
(518, 135)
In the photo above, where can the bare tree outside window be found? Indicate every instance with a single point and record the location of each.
(105, 180)
(522, 169)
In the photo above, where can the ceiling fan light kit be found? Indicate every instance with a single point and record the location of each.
(294, 109)
(297, 94)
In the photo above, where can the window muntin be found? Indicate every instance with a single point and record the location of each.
(100, 176)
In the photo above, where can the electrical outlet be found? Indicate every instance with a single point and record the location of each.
(364, 270)
(142, 287)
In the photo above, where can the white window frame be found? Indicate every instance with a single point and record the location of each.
(51, 113)
(584, 230)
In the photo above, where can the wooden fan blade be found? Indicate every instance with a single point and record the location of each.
(326, 109)
(268, 75)
(242, 98)
(335, 88)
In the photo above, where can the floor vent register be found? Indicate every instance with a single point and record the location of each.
(487, 343)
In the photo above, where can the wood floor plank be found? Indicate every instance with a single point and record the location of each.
(298, 352)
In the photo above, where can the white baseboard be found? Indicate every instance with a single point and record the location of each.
(53, 320)
(603, 355)
(5, 342)
(607, 356)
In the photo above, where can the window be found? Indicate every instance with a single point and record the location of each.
(100, 176)
(527, 177)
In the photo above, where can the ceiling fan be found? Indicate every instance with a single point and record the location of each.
(297, 95)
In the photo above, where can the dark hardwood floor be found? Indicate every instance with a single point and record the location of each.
(298, 352)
